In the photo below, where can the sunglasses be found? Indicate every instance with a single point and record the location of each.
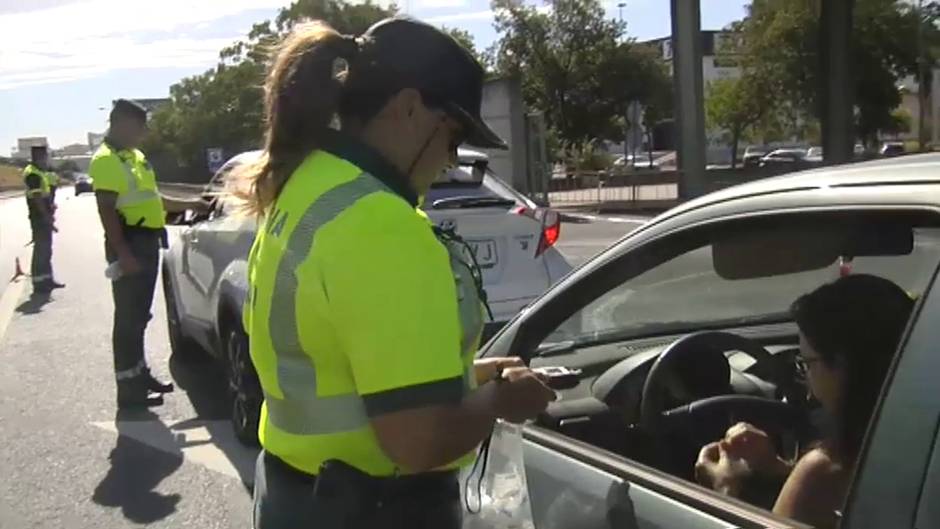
(802, 364)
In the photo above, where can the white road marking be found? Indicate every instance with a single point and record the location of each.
(598, 218)
(211, 444)
(8, 301)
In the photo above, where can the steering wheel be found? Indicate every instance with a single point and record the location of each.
(706, 419)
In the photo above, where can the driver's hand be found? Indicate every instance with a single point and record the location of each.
(753, 445)
(721, 471)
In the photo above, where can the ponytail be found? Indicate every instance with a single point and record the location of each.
(302, 94)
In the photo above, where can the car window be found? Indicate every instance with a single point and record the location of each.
(467, 181)
(687, 293)
(680, 284)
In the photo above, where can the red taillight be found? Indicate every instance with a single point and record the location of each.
(551, 230)
(551, 226)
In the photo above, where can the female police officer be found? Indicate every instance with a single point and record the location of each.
(362, 322)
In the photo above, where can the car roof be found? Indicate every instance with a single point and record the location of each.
(788, 150)
(904, 170)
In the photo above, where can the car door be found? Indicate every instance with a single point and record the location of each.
(898, 483)
(572, 483)
(210, 246)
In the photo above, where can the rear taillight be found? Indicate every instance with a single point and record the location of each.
(551, 230)
(550, 222)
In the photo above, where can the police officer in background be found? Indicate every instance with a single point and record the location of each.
(133, 216)
(41, 219)
(363, 321)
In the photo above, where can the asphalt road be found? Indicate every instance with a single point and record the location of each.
(68, 460)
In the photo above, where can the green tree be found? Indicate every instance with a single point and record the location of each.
(781, 46)
(223, 106)
(734, 106)
(466, 40)
(575, 65)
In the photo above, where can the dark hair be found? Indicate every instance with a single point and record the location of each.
(854, 323)
(303, 91)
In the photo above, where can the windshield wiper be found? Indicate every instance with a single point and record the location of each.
(467, 201)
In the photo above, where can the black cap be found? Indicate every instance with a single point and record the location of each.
(126, 107)
(425, 58)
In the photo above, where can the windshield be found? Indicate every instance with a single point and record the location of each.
(686, 294)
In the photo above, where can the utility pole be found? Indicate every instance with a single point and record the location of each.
(689, 94)
(836, 88)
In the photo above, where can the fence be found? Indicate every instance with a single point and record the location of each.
(592, 189)
(641, 189)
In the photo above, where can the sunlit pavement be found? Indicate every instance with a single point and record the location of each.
(68, 459)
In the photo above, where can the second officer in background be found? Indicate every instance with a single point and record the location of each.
(133, 218)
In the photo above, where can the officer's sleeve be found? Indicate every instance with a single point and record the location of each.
(33, 185)
(107, 174)
(393, 299)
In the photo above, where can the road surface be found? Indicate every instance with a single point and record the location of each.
(68, 459)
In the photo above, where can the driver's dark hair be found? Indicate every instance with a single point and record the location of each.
(854, 323)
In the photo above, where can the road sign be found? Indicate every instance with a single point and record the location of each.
(214, 159)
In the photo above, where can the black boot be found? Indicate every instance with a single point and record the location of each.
(155, 385)
(55, 284)
(133, 393)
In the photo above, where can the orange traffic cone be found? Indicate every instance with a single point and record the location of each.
(18, 272)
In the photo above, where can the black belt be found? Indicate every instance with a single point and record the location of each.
(133, 232)
(438, 481)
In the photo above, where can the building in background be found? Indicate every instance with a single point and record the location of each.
(75, 149)
(95, 139)
(719, 54)
(24, 145)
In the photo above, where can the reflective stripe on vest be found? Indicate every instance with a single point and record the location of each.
(134, 195)
(302, 411)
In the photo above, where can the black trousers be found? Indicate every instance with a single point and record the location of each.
(284, 499)
(133, 297)
(41, 268)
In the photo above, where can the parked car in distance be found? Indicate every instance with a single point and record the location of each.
(783, 157)
(638, 161)
(814, 155)
(891, 148)
(682, 329)
(753, 154)
(205, 282)
(82, 183)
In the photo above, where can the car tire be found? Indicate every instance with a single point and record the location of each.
(182, 347)
(243, 386)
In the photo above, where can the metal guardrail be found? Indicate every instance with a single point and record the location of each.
(593, 188)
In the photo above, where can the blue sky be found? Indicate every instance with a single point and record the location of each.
(62, 61)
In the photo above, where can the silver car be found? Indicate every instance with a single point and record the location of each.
(204, 271)
(705, 289)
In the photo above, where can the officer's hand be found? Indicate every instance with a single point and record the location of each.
(485, 369)
(521, 395)
(129, 264)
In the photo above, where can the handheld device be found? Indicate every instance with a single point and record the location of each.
(560, 377)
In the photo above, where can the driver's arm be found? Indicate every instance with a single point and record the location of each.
(813, 492)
